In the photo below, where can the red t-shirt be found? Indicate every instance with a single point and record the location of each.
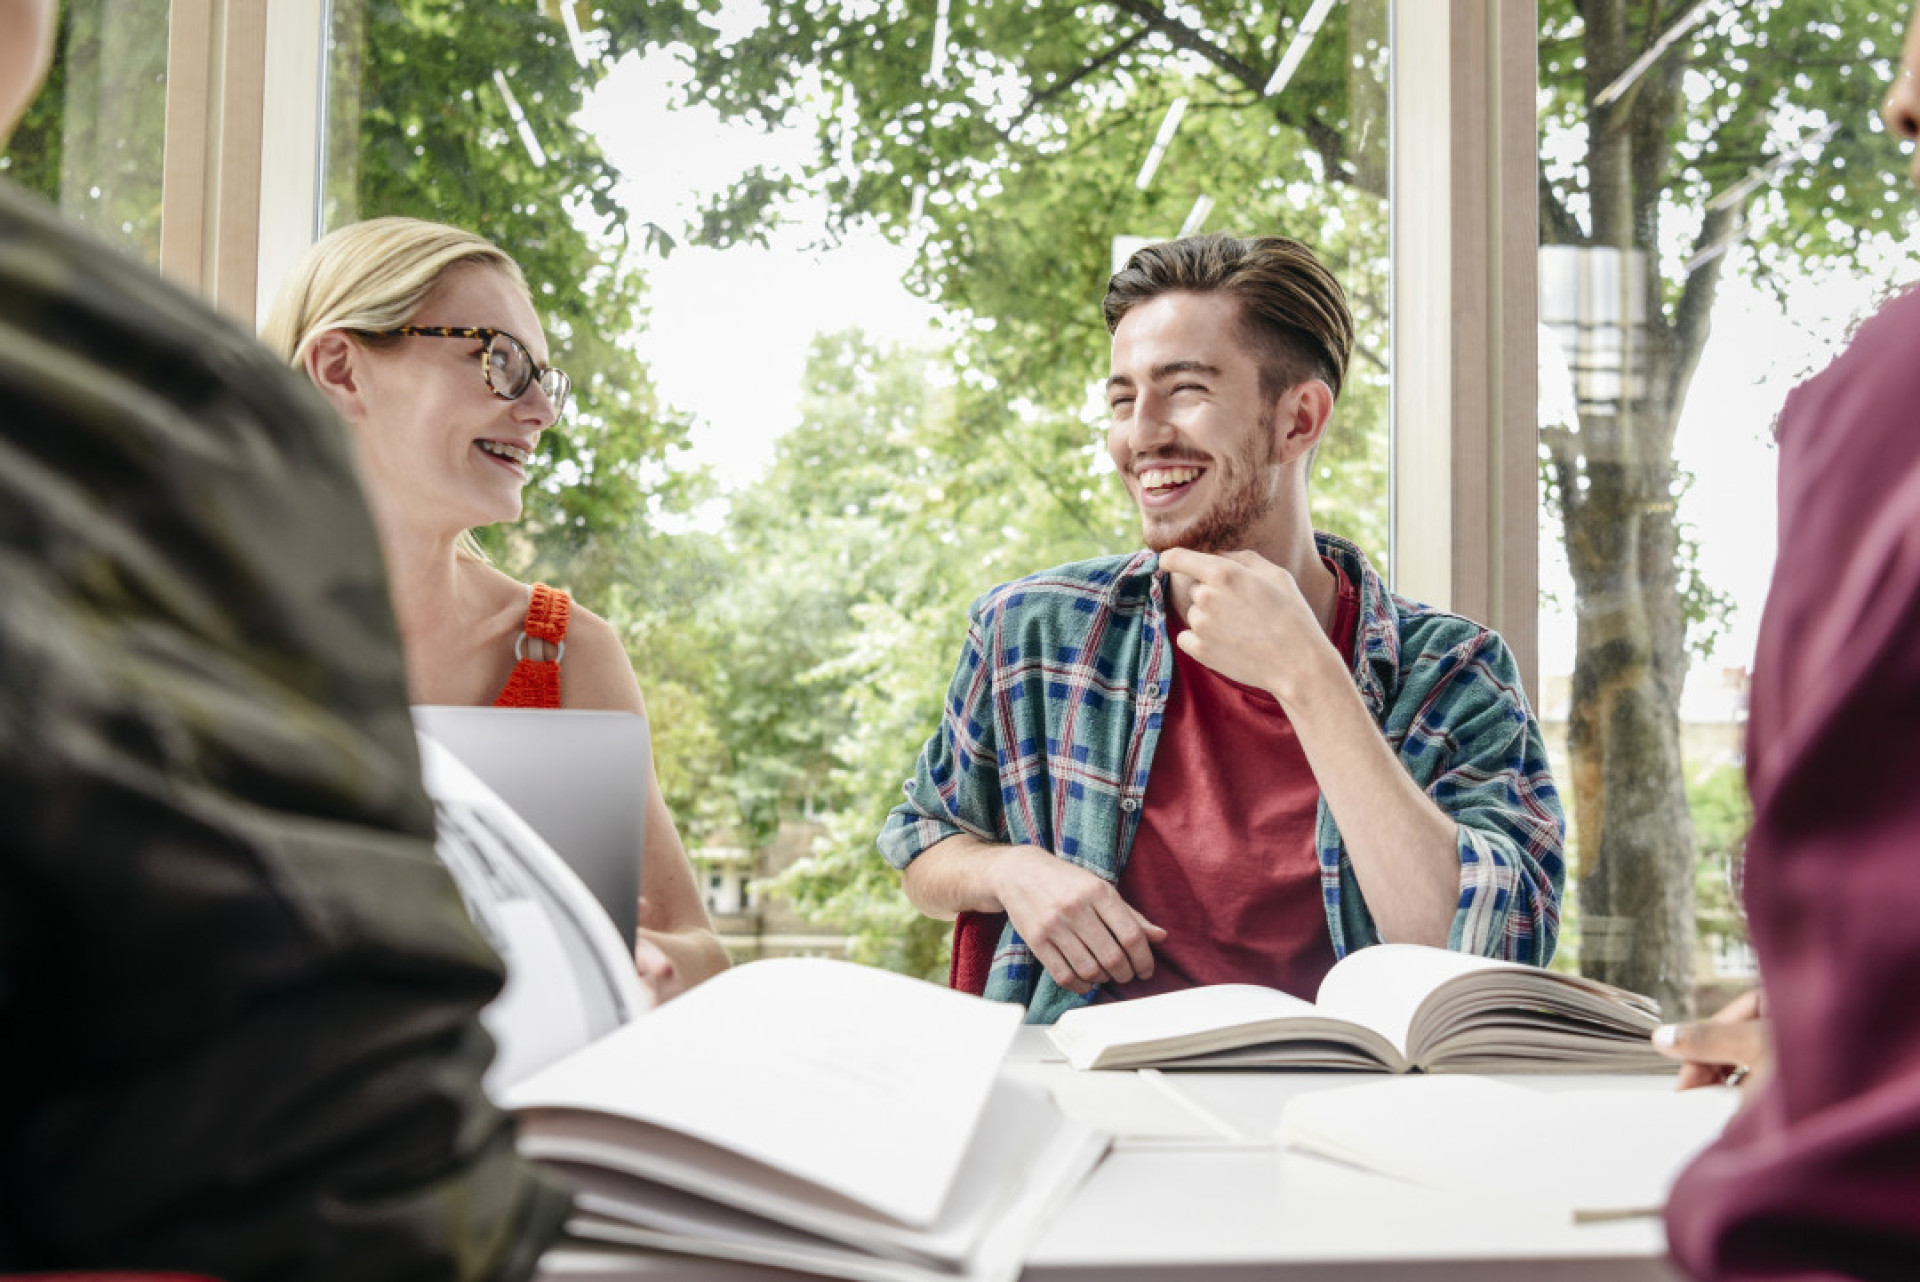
(1224, 857)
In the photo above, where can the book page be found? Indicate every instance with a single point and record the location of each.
(1025, 1162)
(570, 979)
(1619, 1150)
(1382, 987)
(1191, 1021)
(864, 1082)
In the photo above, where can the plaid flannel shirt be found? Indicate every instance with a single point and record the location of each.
(1053, 714)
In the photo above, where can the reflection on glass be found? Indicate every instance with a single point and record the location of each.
(93, 141)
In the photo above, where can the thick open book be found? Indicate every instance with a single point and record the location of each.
(1619, 1149)
(800, 1113)
(1392, 1007)
(810, 1114)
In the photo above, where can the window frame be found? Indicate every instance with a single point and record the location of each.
(1464, 475)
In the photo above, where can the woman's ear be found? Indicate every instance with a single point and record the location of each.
(333, 364)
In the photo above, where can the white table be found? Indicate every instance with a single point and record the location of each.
(1236, 1214)
(1226, 1215)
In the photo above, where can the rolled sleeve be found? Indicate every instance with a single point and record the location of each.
(955, 787)
(1498, 788)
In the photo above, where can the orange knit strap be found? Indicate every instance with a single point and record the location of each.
(535, 683)
(547, 614)
(532, 684)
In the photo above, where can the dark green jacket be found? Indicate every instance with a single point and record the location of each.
(238, 994)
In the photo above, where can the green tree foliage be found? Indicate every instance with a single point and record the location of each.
(1011, 168)
(1722, 815)
(857, 556)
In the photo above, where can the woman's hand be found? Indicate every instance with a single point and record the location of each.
(670, 961)
(1734, 1047)
(658, 975)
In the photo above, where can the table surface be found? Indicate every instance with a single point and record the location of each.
(1270, 1212)
(1255, 1210)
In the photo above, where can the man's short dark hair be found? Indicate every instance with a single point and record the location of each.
(1293, 312)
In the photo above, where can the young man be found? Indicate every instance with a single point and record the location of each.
(1234, 756)
(238, 993)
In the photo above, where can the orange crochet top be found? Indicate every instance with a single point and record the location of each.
(535, 683)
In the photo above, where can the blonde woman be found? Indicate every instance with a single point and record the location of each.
(424, 338)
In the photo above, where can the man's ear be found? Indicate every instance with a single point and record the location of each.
(1301, 419)
(333, 364)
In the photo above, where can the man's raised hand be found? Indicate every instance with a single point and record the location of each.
(1247, 620)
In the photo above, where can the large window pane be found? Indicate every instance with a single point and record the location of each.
(1708, 225)
(793, 613)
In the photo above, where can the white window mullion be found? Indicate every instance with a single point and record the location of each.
(1465, 445)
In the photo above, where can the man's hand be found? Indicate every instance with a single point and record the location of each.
(1075, 922)
(1735, 1046)
(1247, 620)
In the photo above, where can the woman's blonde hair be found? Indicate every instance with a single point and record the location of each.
(375, 276)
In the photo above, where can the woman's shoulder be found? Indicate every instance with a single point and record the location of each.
(502, 599)
(596, 672)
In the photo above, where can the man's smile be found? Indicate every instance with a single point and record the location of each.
(1167, 478)
(1166, 484)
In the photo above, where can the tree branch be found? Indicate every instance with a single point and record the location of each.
(1185, 37)
(1558, 226)
(1039, 97)
(1693, 315)
(1328, 142)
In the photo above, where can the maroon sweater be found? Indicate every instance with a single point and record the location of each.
(1820, 1177)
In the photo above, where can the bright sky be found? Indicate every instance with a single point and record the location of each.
(728, 332)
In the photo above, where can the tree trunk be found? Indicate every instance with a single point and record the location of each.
(1632, 834)
(1633, 837)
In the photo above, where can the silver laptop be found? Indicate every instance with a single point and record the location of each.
(578, 778)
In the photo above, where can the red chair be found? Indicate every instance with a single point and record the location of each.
(975, 937)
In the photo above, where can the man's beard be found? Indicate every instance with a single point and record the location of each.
(1246, 497)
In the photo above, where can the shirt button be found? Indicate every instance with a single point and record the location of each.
(1129, 805)
(1153, 689)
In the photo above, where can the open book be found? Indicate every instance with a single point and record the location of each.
(1622, 1148)
(800, 1113)
(810, 1114)
(1392, 1007)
